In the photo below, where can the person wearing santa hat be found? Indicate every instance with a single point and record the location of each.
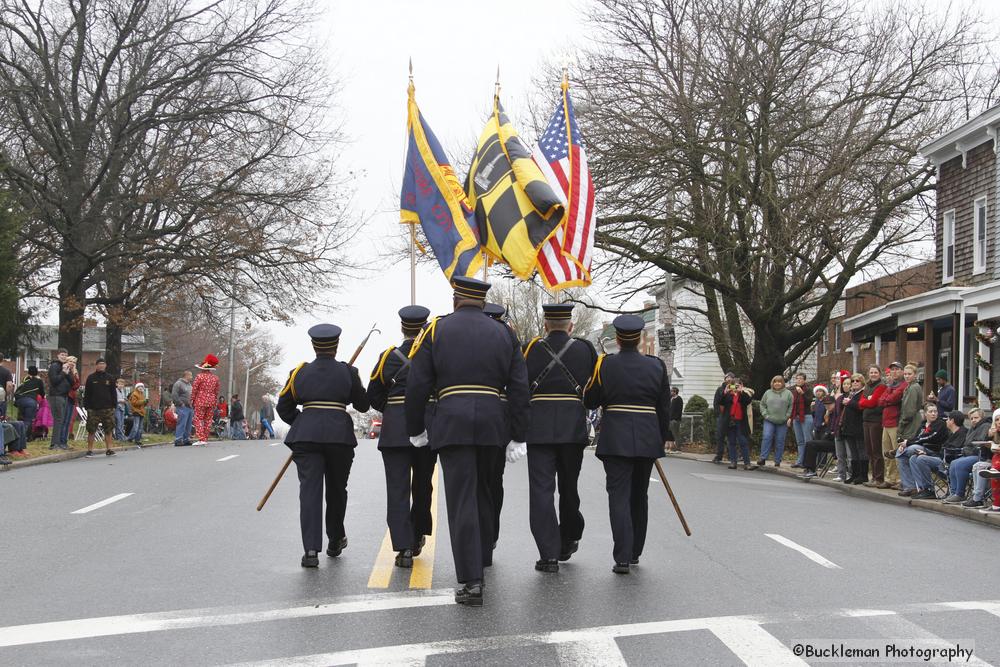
(204, 391)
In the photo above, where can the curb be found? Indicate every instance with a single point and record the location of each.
(878, 495)
(69, 456)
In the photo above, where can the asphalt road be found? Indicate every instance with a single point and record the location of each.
(185, 571)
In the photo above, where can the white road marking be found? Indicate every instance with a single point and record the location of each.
(897, 626)
(753, 644)
(37, 633)
(275, 444)
(99, 505)
(744, 479)
(808, 553)
(597, 652)
(227, 458)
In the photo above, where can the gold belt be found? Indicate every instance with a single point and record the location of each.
(555, 397)
(457, 389)
(324, 405)
(643, 409)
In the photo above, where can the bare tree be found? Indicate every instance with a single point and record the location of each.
(169, 138)
(524, 299)
(766, 150)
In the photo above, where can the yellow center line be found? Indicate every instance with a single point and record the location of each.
(384, 562)
(423, 565)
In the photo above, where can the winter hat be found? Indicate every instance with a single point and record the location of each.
(211, 361)
(996, 413)
(139, 385)
(821, 388)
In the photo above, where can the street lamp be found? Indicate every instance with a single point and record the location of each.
(246, 385)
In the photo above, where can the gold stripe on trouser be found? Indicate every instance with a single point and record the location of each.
(468, 389)
(396, 400)
(324, 405)
(624, 407)
(555, 397)
(889, 445)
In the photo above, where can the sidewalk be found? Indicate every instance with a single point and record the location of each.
(880, 495)
(74, 454)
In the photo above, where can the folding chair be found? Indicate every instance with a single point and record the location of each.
(824, 461)
(81, 427)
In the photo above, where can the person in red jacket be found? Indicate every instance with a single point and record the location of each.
(889, 402)
(204, 391)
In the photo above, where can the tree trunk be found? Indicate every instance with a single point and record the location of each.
(72, 303)
(768, 359)
(113, 346)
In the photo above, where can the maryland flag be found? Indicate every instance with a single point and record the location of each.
(516, 208)
(433, 196)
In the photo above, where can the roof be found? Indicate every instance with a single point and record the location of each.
(912, 309)
(968, 135)
(46, 337)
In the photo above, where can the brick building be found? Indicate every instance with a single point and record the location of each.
(945, 315)
(142, 353)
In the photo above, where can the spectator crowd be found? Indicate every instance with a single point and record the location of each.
(879, 429)
(112, 411)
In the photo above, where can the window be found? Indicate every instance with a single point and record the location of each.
(838, 335)
(979, 236)
(826, 341)
(948, 247)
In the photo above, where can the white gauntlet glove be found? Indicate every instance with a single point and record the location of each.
(515, 451)
(419, 440)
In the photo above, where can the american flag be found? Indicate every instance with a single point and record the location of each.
(564, 260)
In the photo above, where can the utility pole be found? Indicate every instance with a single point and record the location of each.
(232, 348)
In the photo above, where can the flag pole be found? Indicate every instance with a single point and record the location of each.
(413, 234)
(496, 96)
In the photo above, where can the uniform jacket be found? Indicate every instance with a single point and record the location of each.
(634, 391)
(100, 391)
(469, 359)
(558, 415)
(388, 397)
(323, 387)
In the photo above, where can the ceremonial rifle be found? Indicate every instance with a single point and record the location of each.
(663, 475)
(281, 472)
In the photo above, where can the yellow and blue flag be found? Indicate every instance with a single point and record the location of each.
(433, 197)
(516, 208)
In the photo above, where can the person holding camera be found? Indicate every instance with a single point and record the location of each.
(736, 400)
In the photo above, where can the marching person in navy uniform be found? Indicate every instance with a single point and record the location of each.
(634, 391)
(559, 367)
(497, 312)
(470, 360)
(322, 439)
(409, 470)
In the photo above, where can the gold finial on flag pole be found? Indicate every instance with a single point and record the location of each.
(496, 91)
(411, 69)
(565, 76)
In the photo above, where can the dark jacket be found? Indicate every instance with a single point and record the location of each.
(634, 391)
(952, 447)
(557, 412)
(100, 392)
(930, 437)
(979, 433)
(31, 387)
(872, 410)
(717, 401)
(387, 392)
(59, 382)
(323, 387)
(745, 400)
(468, 359)
(801, 402)
(947, 398)
(676, 408)
(851, 418)
(236, 412)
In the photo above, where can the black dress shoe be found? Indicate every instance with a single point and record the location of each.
(420, 546)
(470, 595)
(547, 565)
(335, 550)
(310, 559)
(404, 558)
(620, 568)
(569, 549)
(634, 561)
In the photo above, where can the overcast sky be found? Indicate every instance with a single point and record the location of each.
(456, 50)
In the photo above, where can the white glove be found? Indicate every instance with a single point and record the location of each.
(515, 451)
(419, 440)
